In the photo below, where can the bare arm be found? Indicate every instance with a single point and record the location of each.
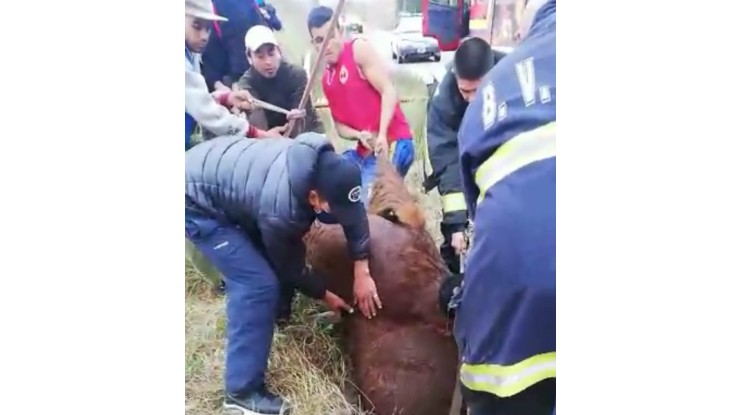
(346, 131)
(376, 71)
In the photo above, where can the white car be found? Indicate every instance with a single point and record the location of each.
(409, 43)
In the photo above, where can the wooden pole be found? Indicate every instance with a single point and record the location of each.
(457, 401)
(318, 65)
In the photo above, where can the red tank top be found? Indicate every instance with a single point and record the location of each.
(353, 100)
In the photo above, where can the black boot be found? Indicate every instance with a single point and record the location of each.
(255, 403)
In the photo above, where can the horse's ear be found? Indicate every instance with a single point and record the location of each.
(389, 214)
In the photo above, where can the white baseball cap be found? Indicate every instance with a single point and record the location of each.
(202, 9)
(259, 35)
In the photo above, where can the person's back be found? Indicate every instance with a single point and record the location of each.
(245, 180)
(506, 321)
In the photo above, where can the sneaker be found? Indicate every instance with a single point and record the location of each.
(255, 403)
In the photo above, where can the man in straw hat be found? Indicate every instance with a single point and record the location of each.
(201, 107)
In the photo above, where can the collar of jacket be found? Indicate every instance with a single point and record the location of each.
(189, 55)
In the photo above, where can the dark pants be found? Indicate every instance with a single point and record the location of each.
(287, 293)
(285, 304)
(538, 399)
(450, 258)
(252, 293)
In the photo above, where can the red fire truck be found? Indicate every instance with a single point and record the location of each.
(496, 21)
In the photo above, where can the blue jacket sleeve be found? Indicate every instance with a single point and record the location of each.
(273, 20)
(214, 61)
(287, 254)
(443, 121)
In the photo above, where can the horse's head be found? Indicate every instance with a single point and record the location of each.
(391, 199)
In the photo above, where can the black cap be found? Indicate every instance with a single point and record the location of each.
(339, 182)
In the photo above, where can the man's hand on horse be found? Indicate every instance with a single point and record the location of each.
(336, 304)
(366, 293)
(295, 114)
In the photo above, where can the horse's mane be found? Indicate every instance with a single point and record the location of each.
(391, 199)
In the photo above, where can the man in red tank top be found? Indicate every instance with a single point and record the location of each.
(363, 100)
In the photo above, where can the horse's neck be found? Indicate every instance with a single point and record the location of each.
(392, 200)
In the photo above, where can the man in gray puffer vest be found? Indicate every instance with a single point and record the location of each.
(248, 204)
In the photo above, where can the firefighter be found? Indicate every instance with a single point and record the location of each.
(473, 59)
(505, 325)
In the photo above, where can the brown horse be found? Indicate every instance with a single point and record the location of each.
(404, 360)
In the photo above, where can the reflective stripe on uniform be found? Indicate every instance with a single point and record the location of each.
(453, 202)
(521, 150)
(506, 381)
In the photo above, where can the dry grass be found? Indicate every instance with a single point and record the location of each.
(306, 363)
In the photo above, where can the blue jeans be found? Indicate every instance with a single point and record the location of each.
(401, 154)
(252, 292)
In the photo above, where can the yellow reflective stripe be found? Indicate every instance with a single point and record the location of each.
(506, 381)
(391, 151)
(453, 202)
(519, 151)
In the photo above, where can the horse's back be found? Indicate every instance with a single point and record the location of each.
(403, 263)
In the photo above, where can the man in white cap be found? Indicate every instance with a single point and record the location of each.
(273, 80)
(210, 111)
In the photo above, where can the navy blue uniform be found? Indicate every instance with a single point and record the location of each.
(505, 323)
(444, 115)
